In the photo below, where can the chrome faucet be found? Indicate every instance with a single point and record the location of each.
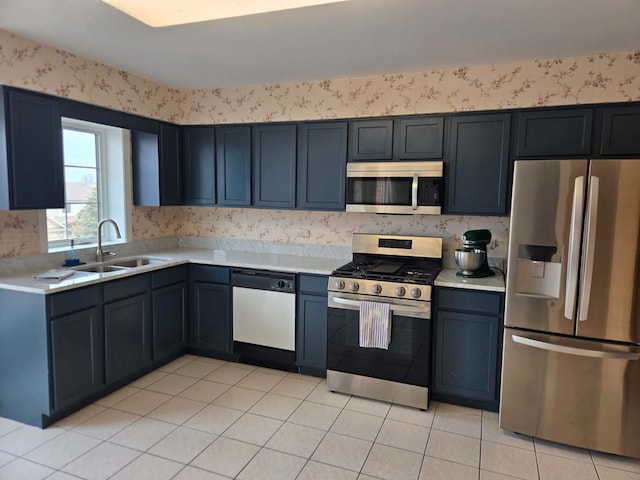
(101, 253)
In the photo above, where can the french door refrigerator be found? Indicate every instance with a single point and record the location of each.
(571, 361)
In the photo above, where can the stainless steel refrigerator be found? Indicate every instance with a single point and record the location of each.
(571, 360)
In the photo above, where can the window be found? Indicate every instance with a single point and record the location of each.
(96, 183)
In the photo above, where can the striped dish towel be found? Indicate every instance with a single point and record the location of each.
(375, 325)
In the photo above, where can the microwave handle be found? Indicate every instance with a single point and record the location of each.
(414, 192)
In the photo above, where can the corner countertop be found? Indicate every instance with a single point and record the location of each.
(448, 278)
(24, 282)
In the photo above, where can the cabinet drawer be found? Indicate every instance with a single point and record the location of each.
(127, 287)
(469, 300)
(206, 273)
(74, 300)
(168, 276)
(314, 284)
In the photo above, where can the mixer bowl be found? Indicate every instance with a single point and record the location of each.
(470, 259)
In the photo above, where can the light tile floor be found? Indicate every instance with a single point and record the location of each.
(203, 419)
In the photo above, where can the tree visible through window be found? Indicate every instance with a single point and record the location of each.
(82, 172)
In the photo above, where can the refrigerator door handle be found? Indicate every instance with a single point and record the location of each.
(589, 248)
(554, 347)
(577, 211)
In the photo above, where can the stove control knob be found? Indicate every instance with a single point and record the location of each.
(339, 284)
(415, 292)
(353, 286)
(400, 291)
(376, 288)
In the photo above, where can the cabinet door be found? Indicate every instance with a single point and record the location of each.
(274, 166)
(156, 161)
(199, 166)
(34, 169)
(169, 320)
(210, 317)
(370, 140)
(170, 165)
(553, 133)
(145, 168)
(466, 355)
(77, 357)
(233, 155)
(620, 131)
(322, 163)
(127, 328)
(418, 138)
(478, 164)
(311, 333)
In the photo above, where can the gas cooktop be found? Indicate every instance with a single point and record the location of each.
(389, 271)
(390, 266)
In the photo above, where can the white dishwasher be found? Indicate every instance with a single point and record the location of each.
(264, 317)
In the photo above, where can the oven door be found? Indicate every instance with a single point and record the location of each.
(402, 187)
(407, 359)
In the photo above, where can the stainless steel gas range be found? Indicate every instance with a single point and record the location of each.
(389, 269)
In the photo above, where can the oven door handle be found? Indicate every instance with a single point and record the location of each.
(424, 311)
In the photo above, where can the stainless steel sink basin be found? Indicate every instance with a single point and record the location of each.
(100, 268)
(137, 262)
(120, 265)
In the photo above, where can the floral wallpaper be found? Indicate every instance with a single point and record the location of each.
(27, 64)
(310, 227)
(562, 81)
(23, 63)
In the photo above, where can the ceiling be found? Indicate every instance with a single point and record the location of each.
(349, 39)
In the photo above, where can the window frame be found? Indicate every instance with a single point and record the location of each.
(105, 154)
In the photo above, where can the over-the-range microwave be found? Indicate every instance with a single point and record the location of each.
(395, 187)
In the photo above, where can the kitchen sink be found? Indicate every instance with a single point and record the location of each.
(137, 262)
(100, 268)
(120, 265)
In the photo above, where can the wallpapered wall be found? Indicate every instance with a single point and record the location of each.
(26, 64)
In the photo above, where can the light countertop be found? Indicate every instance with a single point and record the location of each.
(448, 278)
(24, 282)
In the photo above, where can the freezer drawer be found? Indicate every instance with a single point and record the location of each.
(572, 391)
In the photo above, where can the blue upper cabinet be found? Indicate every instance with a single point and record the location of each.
(620, 131)
(274, 166)
(157, 166)
(371, 140)
(477, 164)
(411, 138)
(170, 165)
(322, 160)
(233, 164)
(199, 166)
(554, 132)
(31, 164)
(418, 138)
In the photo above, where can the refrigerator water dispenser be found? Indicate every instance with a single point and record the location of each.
(539, 270)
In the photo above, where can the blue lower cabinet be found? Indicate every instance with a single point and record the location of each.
(311, 326)
(77, 357)
(210, 311)
(170, 334)
(467, 349)
(127, 330)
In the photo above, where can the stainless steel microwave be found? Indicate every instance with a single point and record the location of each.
(395, 187)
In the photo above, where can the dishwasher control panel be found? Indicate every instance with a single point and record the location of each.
(264, 280)
(283, 285)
